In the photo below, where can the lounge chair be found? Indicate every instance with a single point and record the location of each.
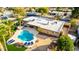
(11, 41)
(31, 43)
(28, 43)
(25, 43)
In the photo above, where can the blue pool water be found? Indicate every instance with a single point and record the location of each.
(25, 36)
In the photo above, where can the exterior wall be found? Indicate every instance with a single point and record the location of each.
(48, 32)
(44, 31)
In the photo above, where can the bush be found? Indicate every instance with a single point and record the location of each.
(75, 12)
(73, 22)
(65, 43)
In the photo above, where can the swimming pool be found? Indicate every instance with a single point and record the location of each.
(26, 36)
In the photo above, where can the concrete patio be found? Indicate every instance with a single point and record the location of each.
(40, 45)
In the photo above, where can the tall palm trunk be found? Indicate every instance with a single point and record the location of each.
(5, 42)
(10, 31)
(20, 22)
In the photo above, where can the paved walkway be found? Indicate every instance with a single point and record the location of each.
(1, 47)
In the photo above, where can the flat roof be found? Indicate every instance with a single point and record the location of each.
(45, 23)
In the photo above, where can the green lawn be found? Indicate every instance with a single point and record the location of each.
(14, 48)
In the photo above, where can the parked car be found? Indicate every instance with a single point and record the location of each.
(65, 19)
(32, 14)
(4, 17)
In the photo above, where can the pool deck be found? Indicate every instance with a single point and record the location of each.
(14, 37)
(31, 30)
(40, 42)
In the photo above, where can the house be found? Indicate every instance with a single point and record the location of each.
(45, 25)
(61, 12)
(7, 14)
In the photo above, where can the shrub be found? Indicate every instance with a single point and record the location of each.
(65, 43)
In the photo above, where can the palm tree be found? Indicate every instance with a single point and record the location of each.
(9, 25)
(19, 21)
(20, 12)
(3, 34)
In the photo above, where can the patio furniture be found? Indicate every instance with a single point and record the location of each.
(28, 43)
(31, 43)
(25, 43)
(10, 41)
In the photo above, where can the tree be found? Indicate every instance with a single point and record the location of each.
(65, 43)
(42, 10)
(75, 12)
(58, 9)
(73, 22)
(32, 9)
(1, 9)
(19, 21)
(9, 25)
(3, 33)
(20, 11)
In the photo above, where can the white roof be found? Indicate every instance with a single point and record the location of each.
(29, 18)
(44, 23)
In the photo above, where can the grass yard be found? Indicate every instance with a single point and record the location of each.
(14, 48)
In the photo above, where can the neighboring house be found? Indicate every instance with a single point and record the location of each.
(54, 13)
(7, 14)
(62, 12)
(44, 25)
